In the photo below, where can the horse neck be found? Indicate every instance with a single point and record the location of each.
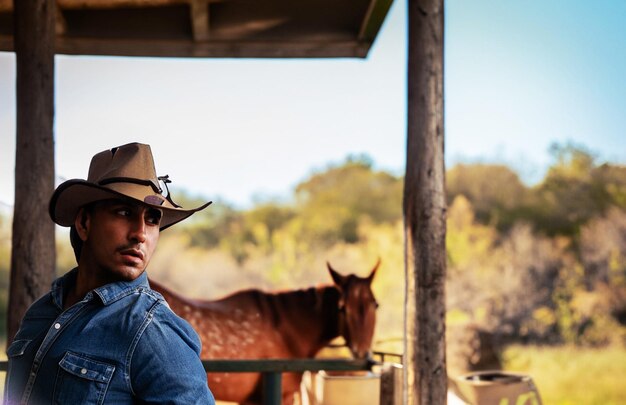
(308, 319)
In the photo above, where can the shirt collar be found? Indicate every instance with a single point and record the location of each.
(114, 291)
(108, 293)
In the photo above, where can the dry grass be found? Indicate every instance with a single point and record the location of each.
(570, 375)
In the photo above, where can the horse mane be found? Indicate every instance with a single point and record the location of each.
(322, 301)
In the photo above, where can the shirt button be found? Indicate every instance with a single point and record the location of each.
(57, 326)
(83, 371)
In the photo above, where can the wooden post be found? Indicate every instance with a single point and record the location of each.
(391, 376)
(425, 209)
(33, 249)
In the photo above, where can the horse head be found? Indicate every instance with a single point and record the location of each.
(357, 310)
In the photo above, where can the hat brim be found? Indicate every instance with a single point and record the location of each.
(71, 195)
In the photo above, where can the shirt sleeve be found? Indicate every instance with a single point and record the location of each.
(165, 366)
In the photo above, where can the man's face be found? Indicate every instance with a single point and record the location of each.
(119, 239)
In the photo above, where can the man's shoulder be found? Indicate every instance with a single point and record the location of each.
(165, 324)
(163, 311)
(159, 306)
(42, 306)
(154, 294)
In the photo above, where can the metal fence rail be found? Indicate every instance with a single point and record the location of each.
(285, 365)
(272, 370)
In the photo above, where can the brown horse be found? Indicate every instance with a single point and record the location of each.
(253, 324)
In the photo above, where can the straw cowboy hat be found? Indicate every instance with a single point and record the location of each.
(125, 172)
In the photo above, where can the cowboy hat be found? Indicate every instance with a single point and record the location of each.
(125, 172)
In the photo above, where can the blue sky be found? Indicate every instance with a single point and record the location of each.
(518, 77)
(521, 75)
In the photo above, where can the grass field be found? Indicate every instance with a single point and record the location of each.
(572, 376)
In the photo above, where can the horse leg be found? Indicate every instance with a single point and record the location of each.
(256, 396)
(288, 398)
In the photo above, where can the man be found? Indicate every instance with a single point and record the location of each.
(101, 335)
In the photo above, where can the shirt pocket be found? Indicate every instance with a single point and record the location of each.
(81, 380)
(17, 362)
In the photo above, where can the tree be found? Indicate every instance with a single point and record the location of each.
(495, 191)
(331, 204)
(575, 190)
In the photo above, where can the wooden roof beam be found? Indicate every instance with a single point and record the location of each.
(208, 49)
(373, 20)
(7, 5)
(60, 24)
(199, 10)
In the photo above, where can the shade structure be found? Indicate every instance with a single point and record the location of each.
(211, 28)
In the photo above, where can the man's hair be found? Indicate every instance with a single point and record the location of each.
(75, 240)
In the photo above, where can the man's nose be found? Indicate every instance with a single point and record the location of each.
(138, 230)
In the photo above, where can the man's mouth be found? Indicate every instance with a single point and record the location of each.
(134, 255)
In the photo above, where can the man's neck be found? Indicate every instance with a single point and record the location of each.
(77, 290)
(86, 280)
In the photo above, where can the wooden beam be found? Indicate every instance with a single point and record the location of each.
(110, 4)
(200, 19)
(373, 20)
(425, 208)
(60, 25)
(99, 4)
(33, 249)
(212, 49)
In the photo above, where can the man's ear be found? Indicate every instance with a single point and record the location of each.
(81, 223)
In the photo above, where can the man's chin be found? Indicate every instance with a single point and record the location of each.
(128, 273)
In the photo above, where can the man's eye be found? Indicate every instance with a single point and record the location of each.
(154, 217)
(123, 212)
(154, 220)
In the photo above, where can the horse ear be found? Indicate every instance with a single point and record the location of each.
(370, 278)
(339, 280)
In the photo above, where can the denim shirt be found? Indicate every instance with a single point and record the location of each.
(120, 345)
